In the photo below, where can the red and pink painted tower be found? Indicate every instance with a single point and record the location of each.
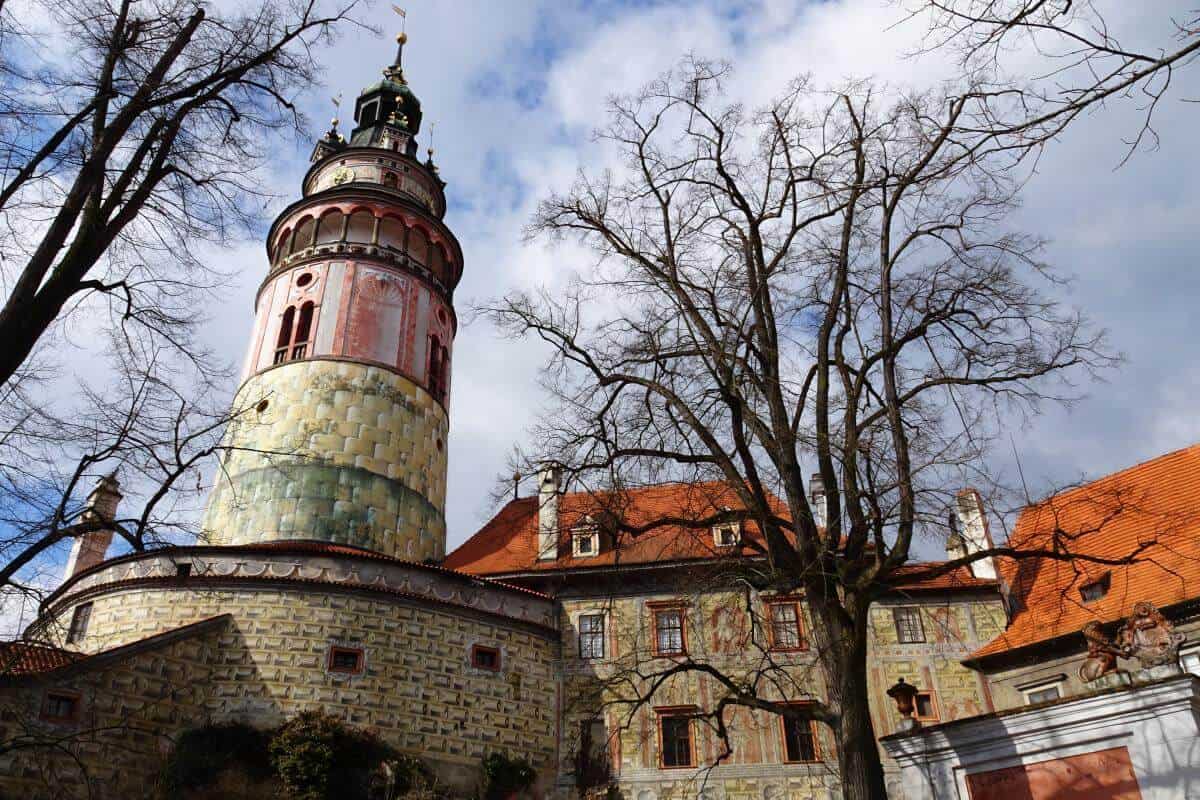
(347, 376)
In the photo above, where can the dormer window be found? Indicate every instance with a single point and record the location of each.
(1091, 592)
(585, 540)
(727, 534)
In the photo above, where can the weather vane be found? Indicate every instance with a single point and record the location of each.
(337, 106)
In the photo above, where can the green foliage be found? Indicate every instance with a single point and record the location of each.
(202, 755)
(504, 776)
(318, 757)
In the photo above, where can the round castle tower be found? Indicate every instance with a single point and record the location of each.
(346, 382)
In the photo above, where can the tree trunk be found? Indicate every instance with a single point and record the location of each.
(858, 753)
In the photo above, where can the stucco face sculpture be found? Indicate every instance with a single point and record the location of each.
(1149, 637)
(1102, 653)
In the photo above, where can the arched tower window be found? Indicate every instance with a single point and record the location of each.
(330, 229)
(305, 232)
(391, 233)
(418, 246)
(438, 369)
(362, 227)
(389, 180)
(294, 334)
(285, 335)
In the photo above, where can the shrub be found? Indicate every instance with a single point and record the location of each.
(204, 757)
(504, 776)
(318, 757)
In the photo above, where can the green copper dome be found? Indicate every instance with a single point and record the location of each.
(387, 101)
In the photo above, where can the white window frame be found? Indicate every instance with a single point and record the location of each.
(1055, 683)
(735, 526)
(590, 533)
(1190, 652)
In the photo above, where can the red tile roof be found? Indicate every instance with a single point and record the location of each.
(507, 544)
(1150, 511)
(26, 658)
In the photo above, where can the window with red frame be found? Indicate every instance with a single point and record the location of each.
(669, 638)
(294, 334)
(786, 632)
(483, 657)
(347, 660)
(60, 707)
(799, 740)
(675, 737)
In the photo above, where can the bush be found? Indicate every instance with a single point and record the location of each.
(504, 776)
(205, 757)
(319, 757)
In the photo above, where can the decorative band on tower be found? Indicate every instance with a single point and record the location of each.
(347, 375)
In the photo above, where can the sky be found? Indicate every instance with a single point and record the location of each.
(513, 90)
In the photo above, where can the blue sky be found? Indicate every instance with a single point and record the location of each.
(514, 89)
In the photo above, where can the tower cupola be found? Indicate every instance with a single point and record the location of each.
(387, 111)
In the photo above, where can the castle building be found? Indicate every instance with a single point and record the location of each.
(321, 578)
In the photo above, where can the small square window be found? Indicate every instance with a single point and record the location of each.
(727, 535)
(79, 623)
(1097, 589)
(926, 705)
(60, 707)
(909, 627)
(183, 569)
(585, 542)
(485, 658)
(348, 660)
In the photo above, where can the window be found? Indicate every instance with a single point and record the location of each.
(591, 636)
(585, 541)
(1189, 659)
(293, 335)
(437, 369)
(668, 632)
(799, 740)
(1091, 592)
(727, 535)
(79, 623)
(485, 658)
(183, 569)
(592, 767)
(347, 660)
(909, 628)
(675, 738)
(1043, 691)
(785, 630)
(285, 334)
(60, 706)
(926, 705)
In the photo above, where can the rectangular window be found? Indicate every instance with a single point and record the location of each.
(675, 738)
(1189, 660)
(726, 535)
(1091, 592)
(591, 636)
(799, 740)
(786, 633)
(585, 542)
(79, 623)
(346, 659)
(909, 628)
(926, 706)
(668, 632)
(60, 707)
(1043, 692)
(485, 658)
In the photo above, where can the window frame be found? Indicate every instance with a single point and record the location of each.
(687, 714)
(477, 648)
(816, 741)
(1190, 649)
(75, 698)
(1056, 683)
(735, 526)
(360, 659)
(772, 642)
(77, 631)
(592, 636)
(916, 611)
(936, 716)
(589, 532)
(659, 609)
(1102, 583)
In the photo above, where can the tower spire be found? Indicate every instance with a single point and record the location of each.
(396, 71)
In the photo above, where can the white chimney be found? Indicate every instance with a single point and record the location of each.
(817, 499)
(973, 532)
(549, 485)
(90, 547)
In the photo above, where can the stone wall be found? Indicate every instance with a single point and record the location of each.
(343, 453)
(418, 688)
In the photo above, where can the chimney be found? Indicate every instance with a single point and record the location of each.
(973, 532)
(549, 485)
(816, 498)
(955, 546)
(90, 547)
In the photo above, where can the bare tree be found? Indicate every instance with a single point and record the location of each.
(828, 285)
